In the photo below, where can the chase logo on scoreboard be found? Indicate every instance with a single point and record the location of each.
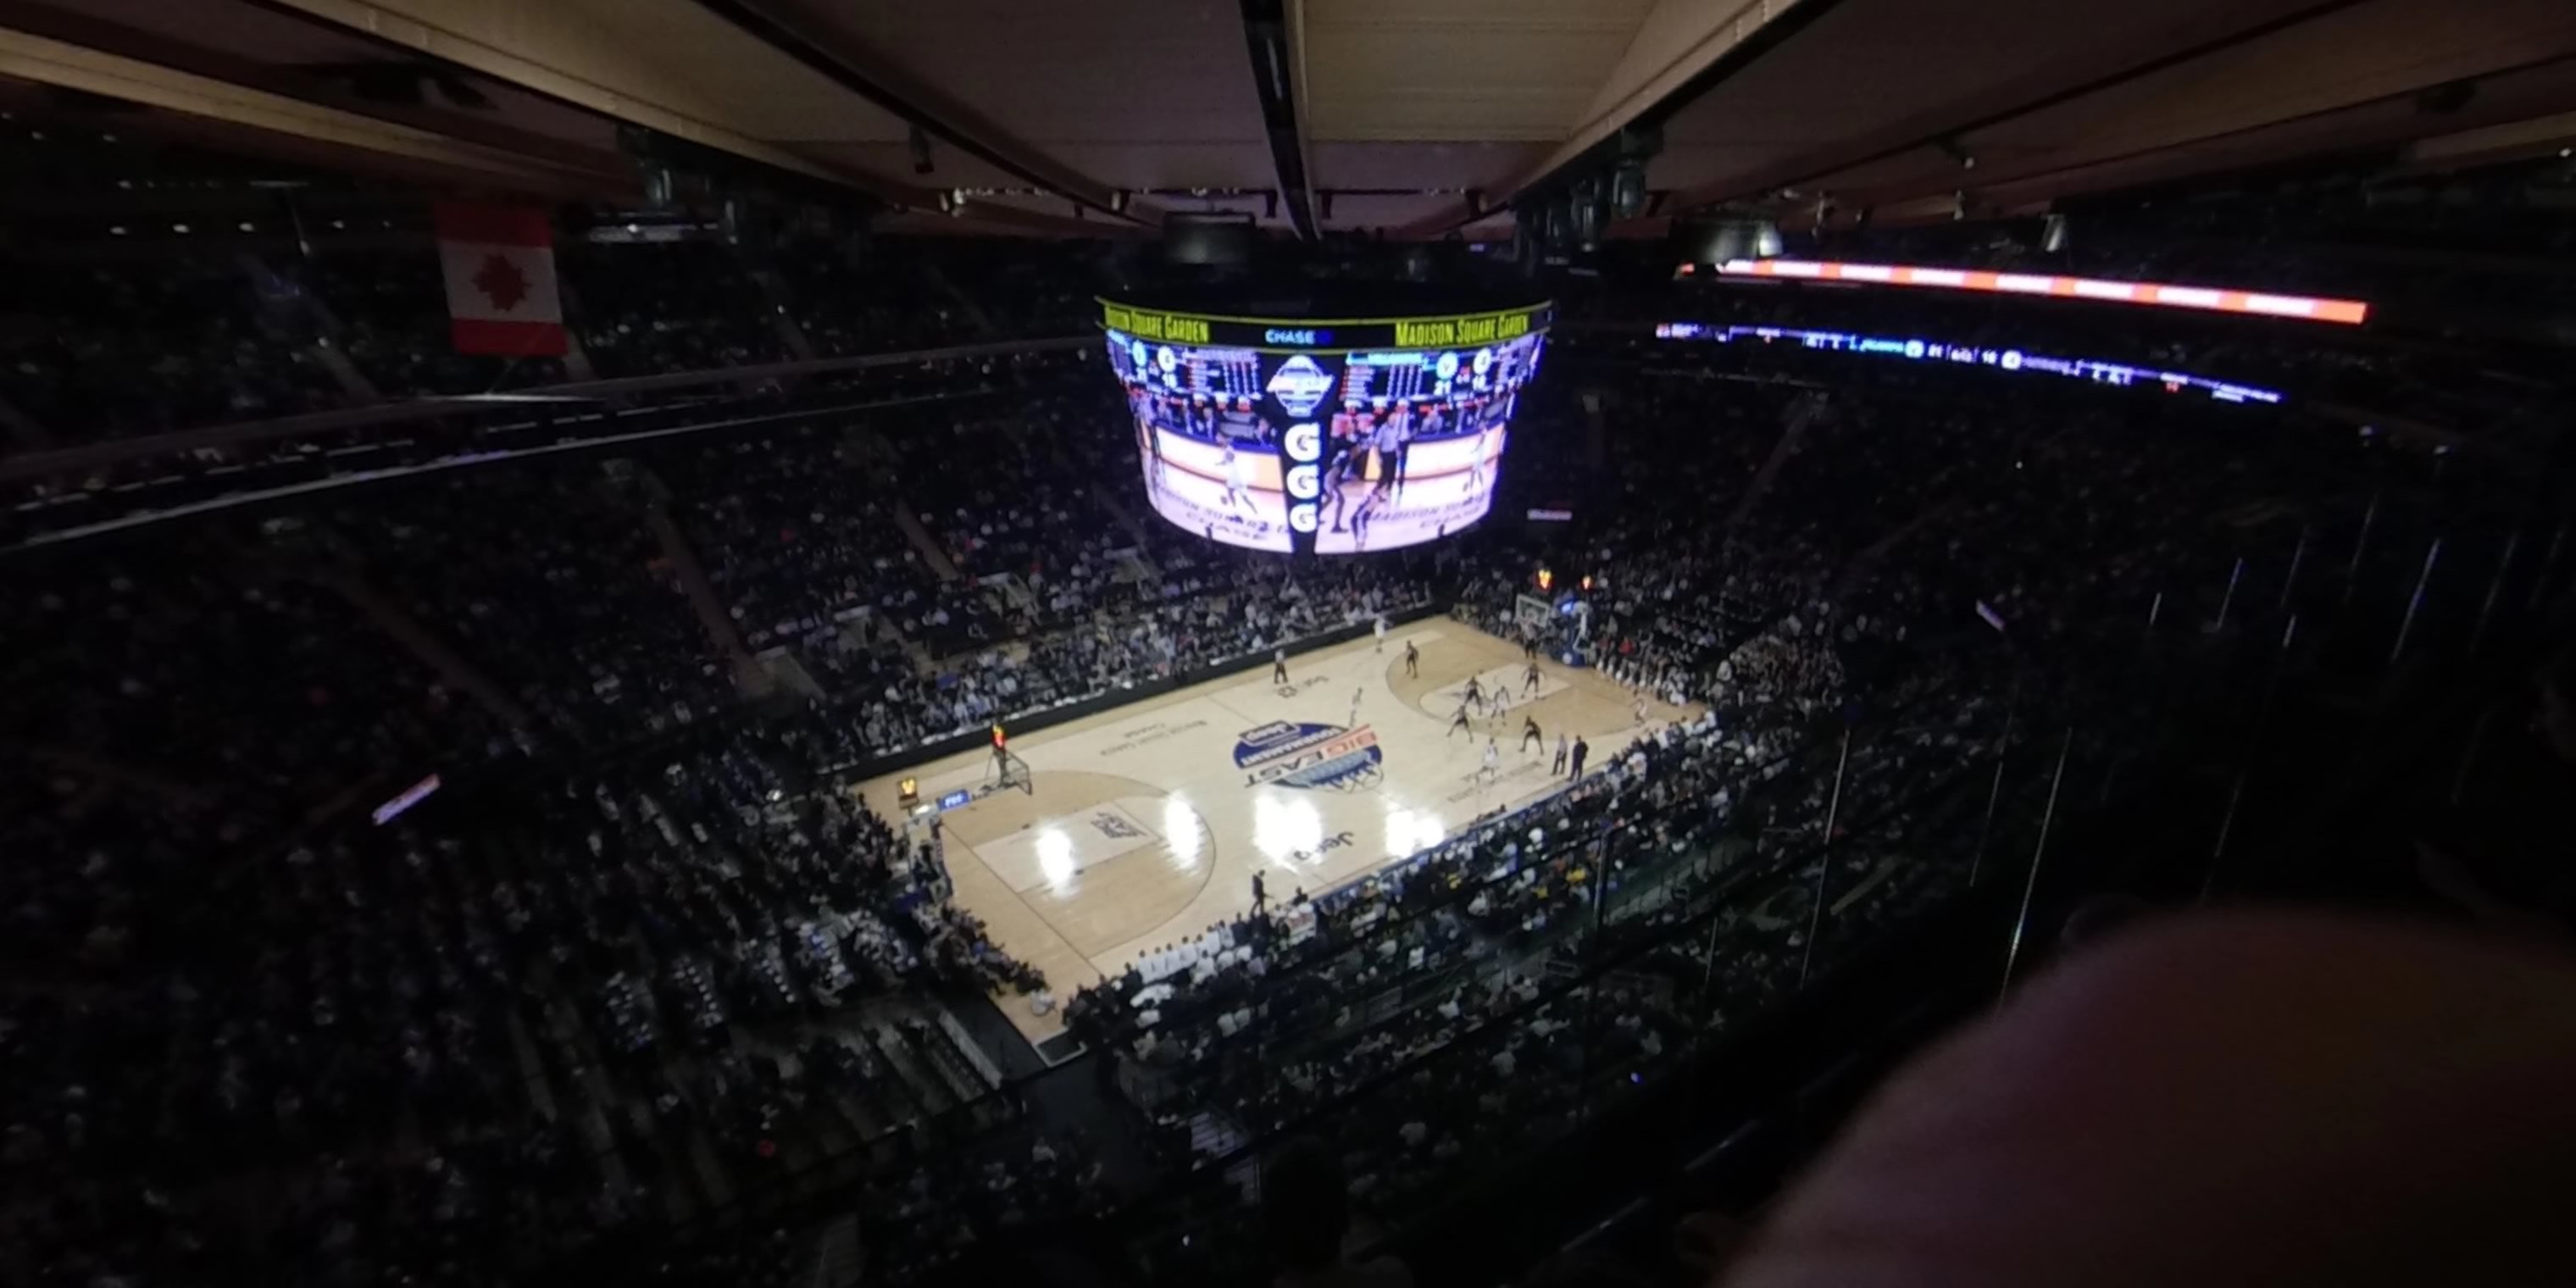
(1309, 755)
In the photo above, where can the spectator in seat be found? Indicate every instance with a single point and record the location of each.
(1306, 1218)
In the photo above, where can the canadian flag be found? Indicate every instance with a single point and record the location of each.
(499, 262)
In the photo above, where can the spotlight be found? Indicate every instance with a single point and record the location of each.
(1628, 189)
(1584, 215)
(1715, 239)
(1209, 237)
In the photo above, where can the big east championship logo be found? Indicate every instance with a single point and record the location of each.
(1310, 755)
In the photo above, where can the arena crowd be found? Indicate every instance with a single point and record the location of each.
(637, 965)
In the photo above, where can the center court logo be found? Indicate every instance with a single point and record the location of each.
(1310, 755)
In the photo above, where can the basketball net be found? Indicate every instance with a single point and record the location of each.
(1006, 770)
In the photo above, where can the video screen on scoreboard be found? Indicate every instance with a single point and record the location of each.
(1346, 452)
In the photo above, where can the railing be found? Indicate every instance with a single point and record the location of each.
(69, 494)
(494, 406)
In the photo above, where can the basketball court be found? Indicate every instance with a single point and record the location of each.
(1143, 825)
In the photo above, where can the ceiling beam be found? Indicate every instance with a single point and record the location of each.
(996, 217)
(1681, 50)
(53, 62)
(2081, 73)
(2489, 145)
(224, 137)
(73, 28)
(1270, 30)
(797, 32)
(2379, 122)
(389, 28)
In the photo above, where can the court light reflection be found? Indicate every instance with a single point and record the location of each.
(1055, 858)
(1285, 830)
(1409, 833)
(1181, 832)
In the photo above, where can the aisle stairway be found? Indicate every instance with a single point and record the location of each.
(922, 541)
(836, 1254)
(353, 382)
(1117, 510)
(1806, 411)
(774, 293)
(710, 606)
(422, 643)
(116, 773)
(22, 429)
(966, 303)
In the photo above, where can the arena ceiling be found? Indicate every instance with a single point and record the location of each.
(1418, 117)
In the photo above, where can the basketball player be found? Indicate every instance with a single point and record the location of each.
(1641, 711)
(1360, 517)
(1458, 724)
(1412, 661)
(1559, 766)
(1402, 423)
(1529, 680)
(1149, 443)
(1381, 633)
(1278, 666)
(1493, 758)
(1338, 472)
(1530, 736)
(1235, 492)
(1474, 693)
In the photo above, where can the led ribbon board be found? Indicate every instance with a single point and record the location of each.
(2100, 290)
(1918, 349)
(1325, 335)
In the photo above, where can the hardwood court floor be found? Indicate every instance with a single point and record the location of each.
(1146, 822)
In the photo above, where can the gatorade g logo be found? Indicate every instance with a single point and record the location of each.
(1304, 443)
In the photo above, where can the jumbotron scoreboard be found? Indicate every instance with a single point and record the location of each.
(1324, 430)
